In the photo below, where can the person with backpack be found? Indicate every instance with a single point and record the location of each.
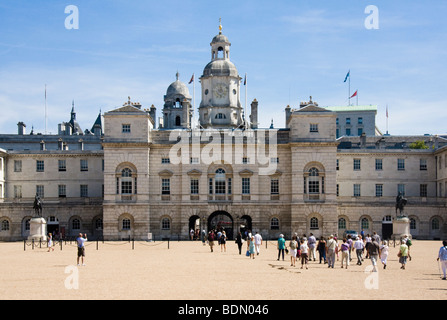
(211, 237)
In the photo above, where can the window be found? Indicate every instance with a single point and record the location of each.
(76, 224)
(342, 223)
(359, 131)
(245, 185)
(126, 181)
(126, 224)
(178, 121)
(40, 190)
(245, 160)
(220, 116)
(356, 190)
(165, 186)
(62, 165)
(194, 186)
(165, 160)
(62, 190)
(412, 224)
(5, 225)
(336, 121)
(338, 190)
(400, 164)
(17, 165)
(401, 189)
(99, 224)
(274, 186)
(379, 190)
(423, 190)
(274, 160)
(348, 132)
(40, 166)
(357, 163)
(84, 190)
(17, 192)
(314, 181)
(313, 223)
(360, 121)
(423, 164)
(435, 224)
(84, 165)
(314, 127)
(337, 165)
(274, 224)
(220, 183)
(379, 164)
(165, 224)
(348, 120)
(194, 160)
(126, 128)
(364, 224)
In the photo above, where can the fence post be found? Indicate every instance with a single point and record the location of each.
(133, 243)
(168, 243)
(61, 243)
(97, 244)
(32, 242)
(24, 245)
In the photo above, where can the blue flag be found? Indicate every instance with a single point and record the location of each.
(347, 76)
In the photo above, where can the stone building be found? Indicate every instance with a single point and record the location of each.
(127, 178)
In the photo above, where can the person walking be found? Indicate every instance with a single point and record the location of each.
(403, 254)
(50, 242)
(304, 248)
(81, 247)
(344, 248)
(384, 249)
(330, 251)
(321, 247)
(251, 247)
(239, 242)
(373, 250)
(281, 246)
(442, 255)
(293, 245)
(211, 237)
(359, 246)
(258, 242)
(223, 242)
(312, 244)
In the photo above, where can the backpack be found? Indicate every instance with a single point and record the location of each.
(293, 244)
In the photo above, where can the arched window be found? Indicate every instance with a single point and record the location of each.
(412, 224)
(178, 121)
(126, 224)
(5, 225)
(165, 224)
(219, 181)
(76, 224)
(126, 182)
(313, 223)
(274, 224)
(364, 224)
(342, 223)
(98, 224)
(435, 224)
(313, 184)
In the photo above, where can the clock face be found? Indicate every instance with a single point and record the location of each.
(220, 91)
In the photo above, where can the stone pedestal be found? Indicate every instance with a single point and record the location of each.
(37, 229)
(401, 228)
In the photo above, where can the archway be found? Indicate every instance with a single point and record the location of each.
(194, 224)
(245, 225)
(221, 221)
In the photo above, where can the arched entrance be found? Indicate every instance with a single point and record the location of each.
(194, 224)
(245, 225)
(221, 221)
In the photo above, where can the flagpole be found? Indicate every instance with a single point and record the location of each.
(349, 88)
(387, 119)
(245, 111)
(357, 98)
(193, 101)
(45, 109)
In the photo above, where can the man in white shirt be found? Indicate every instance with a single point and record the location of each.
(330, 251)
(258, 242)
(359, 246)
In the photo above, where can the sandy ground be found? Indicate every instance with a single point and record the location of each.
(189, 271)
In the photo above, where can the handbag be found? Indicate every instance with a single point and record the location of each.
(247, 253)
(399, 255)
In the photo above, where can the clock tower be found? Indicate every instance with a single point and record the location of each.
(220, 106)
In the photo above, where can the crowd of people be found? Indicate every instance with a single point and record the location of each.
(331, 250)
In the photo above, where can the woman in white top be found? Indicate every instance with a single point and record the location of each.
(293, 245)
(304, 251)
(384, 249)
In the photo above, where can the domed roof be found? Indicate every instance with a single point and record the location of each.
(220, 38)
(220, 68)
(178, 88)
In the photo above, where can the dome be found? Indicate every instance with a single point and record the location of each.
(220, 38)
(178, 88)
(220, 68)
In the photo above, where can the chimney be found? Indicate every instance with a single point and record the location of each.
(21, 128)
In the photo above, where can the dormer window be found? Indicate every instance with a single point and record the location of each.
(220, 116)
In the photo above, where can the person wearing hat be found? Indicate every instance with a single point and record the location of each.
(403, 254)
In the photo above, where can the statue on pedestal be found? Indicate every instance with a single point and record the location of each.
(37, 205)
(401, 202)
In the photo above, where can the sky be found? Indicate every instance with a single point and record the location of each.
(290, 50)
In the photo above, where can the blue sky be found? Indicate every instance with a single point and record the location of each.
(289, 50)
